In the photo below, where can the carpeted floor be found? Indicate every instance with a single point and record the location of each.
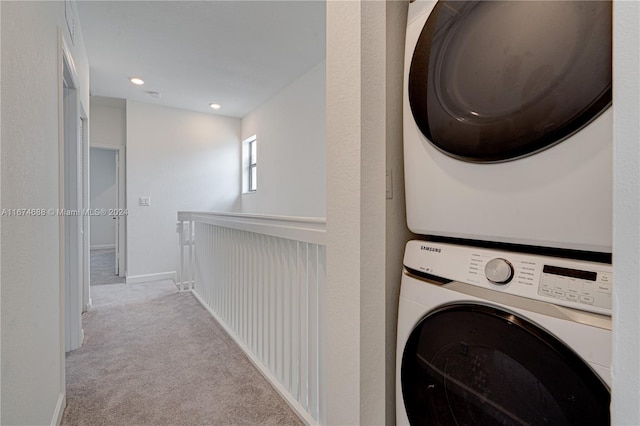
(154, 356)
(103, 263)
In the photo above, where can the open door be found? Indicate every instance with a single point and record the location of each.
(85, 230)
(117, 217)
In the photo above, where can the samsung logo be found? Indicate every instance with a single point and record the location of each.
(428, 248)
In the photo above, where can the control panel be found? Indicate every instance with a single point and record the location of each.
(573, 283)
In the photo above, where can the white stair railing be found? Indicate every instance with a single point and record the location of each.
(263, 278)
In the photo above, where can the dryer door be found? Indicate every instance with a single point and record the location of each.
(470, 364)
(493, 81)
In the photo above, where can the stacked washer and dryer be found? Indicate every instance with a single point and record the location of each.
(505, 306)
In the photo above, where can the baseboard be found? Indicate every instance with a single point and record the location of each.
(288, 398)
(57, 414)
(104, 246)
(145, 278)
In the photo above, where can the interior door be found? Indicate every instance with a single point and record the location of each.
(117, 217)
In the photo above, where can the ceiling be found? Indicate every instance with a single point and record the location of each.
(234, 53)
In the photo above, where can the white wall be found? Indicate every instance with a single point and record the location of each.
(372, 213)
(397, 233)
(103, 195)
(182, 160)
(362, 141)
(343, 213)
(366, 232)
(33, 380)
(291, 135)
(626, 214)
(108, 122)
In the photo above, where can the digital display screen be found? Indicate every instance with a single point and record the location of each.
(572, 273)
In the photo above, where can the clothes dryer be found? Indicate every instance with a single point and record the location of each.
(495, 337)
(507, 122)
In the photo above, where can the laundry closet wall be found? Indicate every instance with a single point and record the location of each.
(365, 231)
(626, 214)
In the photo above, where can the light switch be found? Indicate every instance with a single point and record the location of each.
(144, 201)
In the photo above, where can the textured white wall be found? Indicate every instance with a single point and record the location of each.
(103, 195)
(366, 232)
(343, 213)
(292, 146)
(182, 160)
(33, 381)
(362, 138)
(626, 214)
(397, 233)
(372, 212)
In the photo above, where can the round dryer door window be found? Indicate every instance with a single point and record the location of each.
(493, 81)
(470, 364)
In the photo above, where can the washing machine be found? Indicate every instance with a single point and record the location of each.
(495, 337)
(508, 122)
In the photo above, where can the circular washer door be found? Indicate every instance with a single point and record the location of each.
(493, 81)
(470, 364)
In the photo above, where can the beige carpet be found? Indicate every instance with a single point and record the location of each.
(154, 356)
(103, 263)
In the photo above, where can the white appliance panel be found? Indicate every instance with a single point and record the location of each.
(559, 197)
(582, 285)
(585, 331)
(417, 299)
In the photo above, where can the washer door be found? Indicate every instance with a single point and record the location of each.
(470, 364)
(493, 81)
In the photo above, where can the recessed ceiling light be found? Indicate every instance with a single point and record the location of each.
(214, 106)
(136, 80)
(154, 94)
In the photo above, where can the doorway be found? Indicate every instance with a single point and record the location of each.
(105, 225)
(73, 200)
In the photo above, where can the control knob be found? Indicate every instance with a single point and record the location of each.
(498, 271)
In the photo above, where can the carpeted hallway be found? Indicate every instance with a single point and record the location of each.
(154, 356)
(103, 262)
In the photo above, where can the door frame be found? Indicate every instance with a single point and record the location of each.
(86, 231)
(72, 172)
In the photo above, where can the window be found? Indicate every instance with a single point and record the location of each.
(252, 164)
(253, 181)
